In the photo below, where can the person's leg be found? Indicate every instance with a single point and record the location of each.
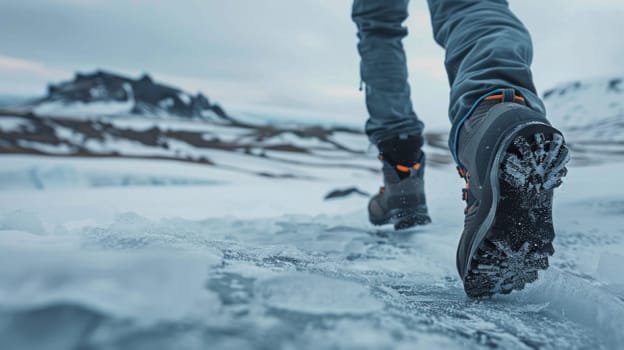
(487, 48)
(383, 68)
(392, 125)
(506, 150)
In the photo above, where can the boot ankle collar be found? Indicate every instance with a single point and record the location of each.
(502, 95)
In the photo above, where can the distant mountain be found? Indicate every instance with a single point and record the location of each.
(594, 107)
(108, 94)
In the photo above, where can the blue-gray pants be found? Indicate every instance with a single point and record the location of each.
(487, 48)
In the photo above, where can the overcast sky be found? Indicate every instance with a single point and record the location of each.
(278, 54)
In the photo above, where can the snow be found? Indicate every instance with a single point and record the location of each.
(585, 106)
(9, 124)
(592, 114)
(240, 261)
(61, 148)
(142, 123)
(125, 146)
(46, 176)
(84, 110)
(191, 201)
(210, 115)
(166, 103)
(185, 98)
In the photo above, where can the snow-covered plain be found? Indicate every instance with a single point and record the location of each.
(172, 255)
(129, 253)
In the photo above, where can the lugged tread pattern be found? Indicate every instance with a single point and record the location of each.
(408, 221)
(519, 241)
(404, 219)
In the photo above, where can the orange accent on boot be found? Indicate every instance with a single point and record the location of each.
(403, 168)
(461, 172)
(500, 97)
(465, 191)
(406, 169)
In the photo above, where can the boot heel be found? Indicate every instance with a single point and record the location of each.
(519, 242)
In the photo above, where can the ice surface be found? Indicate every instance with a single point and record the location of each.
(579, 300)
(267, 264)
(312, 294)
(112, 283)
(610, 268)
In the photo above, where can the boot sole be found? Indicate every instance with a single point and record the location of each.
(518, 233)
(403, 219)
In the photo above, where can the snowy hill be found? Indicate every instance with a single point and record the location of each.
(108, 115)
(278, 151)
(109, 94)
(595, 104)
(591, 113)
(265, 150)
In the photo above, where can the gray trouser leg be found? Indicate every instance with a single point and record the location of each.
(383, 68)
(487, 48)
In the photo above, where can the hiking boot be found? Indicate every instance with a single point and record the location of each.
(512, 159)
(401, 201)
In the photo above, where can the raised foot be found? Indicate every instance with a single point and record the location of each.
(520, 239)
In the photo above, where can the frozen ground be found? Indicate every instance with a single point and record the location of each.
(170, 255)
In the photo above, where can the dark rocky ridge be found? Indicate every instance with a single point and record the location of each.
(148, 97)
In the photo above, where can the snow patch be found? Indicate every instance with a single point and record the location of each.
(84, 110)
(185, 98)
(60, 148)
(9, 124)
(166, 103)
